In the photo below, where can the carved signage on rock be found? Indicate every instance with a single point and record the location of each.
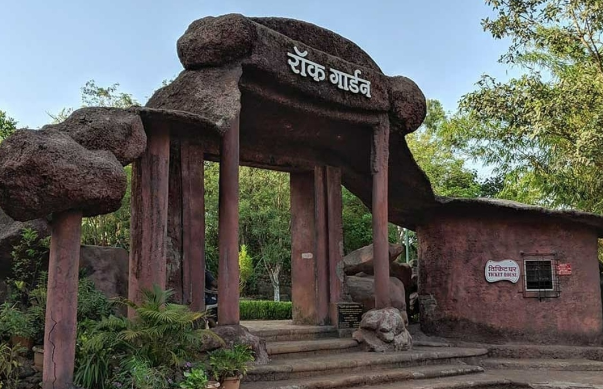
(507, 270)
(299, 64)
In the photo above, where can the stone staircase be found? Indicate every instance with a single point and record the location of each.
(308, 357)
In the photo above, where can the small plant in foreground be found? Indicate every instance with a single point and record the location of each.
(9, 365)
(228, 363)
(194, 379)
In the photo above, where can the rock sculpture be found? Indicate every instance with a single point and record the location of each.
(383, 330)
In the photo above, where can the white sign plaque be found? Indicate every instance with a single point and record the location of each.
(507, 270)
(299, 64)
(307, 256)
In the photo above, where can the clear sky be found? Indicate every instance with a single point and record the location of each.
(51, 48)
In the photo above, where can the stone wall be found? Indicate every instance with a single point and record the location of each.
(457, 301)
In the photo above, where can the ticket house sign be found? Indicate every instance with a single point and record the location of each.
(507, 270)
(299, 64)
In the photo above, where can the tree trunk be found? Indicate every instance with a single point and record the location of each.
(276, 285)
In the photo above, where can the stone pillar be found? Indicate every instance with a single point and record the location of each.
(228, 228)
(335, 238)
(380, 155)
(61, 308)
(322, 245)
(193, 224)
(303, 247)
(174, 239)
(150, 176)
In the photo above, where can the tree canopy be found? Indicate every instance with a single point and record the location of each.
(541, 131)
(8, 125)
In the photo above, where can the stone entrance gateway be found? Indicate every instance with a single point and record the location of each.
(264, 92)
(278, 94)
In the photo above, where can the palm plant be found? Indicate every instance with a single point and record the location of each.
(161, 335)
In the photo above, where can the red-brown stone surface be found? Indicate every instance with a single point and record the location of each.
(215, 41)
(46, 171)
(457, 301)
(100, 128)
(361, 260)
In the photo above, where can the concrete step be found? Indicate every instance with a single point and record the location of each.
(284, 330)
(505, 379)
(543, 364)
(368, 378)
(307, 348)
(353, 361)
(525, 351)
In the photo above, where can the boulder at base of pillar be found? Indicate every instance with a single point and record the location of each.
(383, 330)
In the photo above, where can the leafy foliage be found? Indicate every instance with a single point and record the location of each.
(265, 310)
(27, 257)
(9, 366)
(8, 125)
(155, 342)
(194, 379)
(232, 362)
(445, 170)
(541, 131)
(245, 267)
(14, 322)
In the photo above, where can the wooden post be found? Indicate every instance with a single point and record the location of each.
(303, 247)
(228, 228)
(150, 176)
(380, 155)
(335, 237)
(193, 224)
(322, 243)
(61, 307)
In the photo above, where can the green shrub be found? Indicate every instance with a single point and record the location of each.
(233, 362)
(9, 365)
(143, 352)
(265, 310)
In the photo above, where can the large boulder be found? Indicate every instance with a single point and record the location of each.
(362, 290)
(46, 171)
(383, 330)
(213, 41)
(361, 260)
(117, 130)
(107, 267)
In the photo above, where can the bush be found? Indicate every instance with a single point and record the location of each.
(265, 310)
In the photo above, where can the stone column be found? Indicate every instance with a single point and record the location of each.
(303, 247)
(150, 176)
(228, 228)
(322, 245)
(61, 308)
(380, 155)
(193, 224)
(335, 238)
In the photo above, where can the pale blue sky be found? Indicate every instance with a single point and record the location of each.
(51, 48)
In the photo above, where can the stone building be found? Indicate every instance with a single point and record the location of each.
(496, 271)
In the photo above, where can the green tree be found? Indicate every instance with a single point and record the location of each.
(8, 125)
(446, 171)
(541, 131)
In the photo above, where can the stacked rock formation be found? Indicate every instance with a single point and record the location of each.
(76, 164)
(359, 280)
(67, 171)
